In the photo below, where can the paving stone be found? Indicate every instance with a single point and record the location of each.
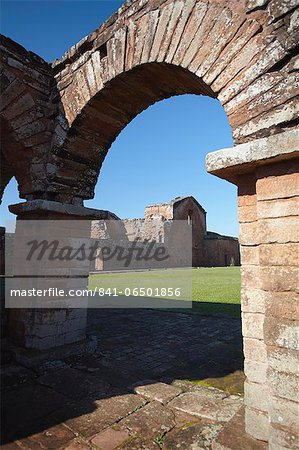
(212, 406)
(208, 392)
(53, 437)
(12, 446)
(195, 437)
(110, 439)
(158, 391)
(18, 418)
(149, 421)
(183, 419)
(14, 375)
(234, 437)
(73, 383)
(146, 341)
(184, 385)
(138, 443)
(90, 416)
(77, 444)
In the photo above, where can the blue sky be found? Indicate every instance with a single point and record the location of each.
(161, 153)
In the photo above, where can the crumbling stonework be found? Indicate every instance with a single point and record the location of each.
(208, 249)
(243, 53)
(58, 122)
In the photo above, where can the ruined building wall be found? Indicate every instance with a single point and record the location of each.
(190, 210)
(220, 252)
(208, 249)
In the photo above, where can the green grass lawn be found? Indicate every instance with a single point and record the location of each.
(214, 290)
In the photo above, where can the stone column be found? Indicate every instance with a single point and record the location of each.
(253, 312)
(40, 328)
(266, 173)
(277, 211)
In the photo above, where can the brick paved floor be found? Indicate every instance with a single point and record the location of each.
(139, 389)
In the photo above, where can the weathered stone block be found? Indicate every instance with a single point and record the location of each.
(186, 51)
(251, 277)
(249, 255)
(271, 54)
(110, 439)
(247, 213)
(253, 300)
(255, 350)
(241, 60)
(278, 208)
(178, 30)
(283, 439)
(278, 278)
(283, 360)
(284, 384)
(279, 8)
(257, 424)
(256, 396)
(160, 392)
(272, 187)
(160, 31)
(283, 412)
(253, 325)
(149, 421)
(278, 230)
(256, 372)
(283, 305)
(249, 233)
(282, 333)
(207, 404)
(246, 199)
(279, 254)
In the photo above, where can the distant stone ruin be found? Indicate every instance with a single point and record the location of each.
(208, 249)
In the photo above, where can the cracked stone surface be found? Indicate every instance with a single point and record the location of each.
(207, 405)
(150, 421)
(161, 392)
(139, 390)
(195, 437)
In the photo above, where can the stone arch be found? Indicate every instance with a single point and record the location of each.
(236, 51)
(29, 110)
(243, 53)
(107, 114)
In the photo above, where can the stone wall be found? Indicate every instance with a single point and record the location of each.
(221, 251)
(208, 249)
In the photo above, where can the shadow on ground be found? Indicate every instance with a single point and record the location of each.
(82, 395)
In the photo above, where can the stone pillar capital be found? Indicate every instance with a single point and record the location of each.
(233, 163)
(46, 209)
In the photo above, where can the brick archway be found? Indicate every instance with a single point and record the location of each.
(244, 53)
(148, 51)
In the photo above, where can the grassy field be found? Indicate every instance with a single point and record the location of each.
(214, 290)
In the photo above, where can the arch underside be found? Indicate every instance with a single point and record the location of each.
(109, 111)
(242, 55)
